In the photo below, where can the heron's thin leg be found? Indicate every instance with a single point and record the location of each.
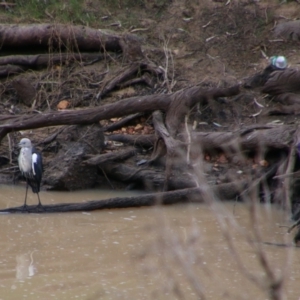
(40, 204)
(26, 194)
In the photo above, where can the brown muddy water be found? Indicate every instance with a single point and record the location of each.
(172, 252)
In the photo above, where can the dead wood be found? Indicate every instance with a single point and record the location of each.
(76, 38)
(162, 131)
(49, 139)
(296, 224)
(145, 178)
(287, 99)
(41, 60)
(120, 78)
(146, 79)
(110, 157)
(184, 100)
(144, 141)
(158, 152)
(131, 47)
(293, 174)
(121, 108)
(284, 110)
(144, 104)
(9, 70)
(280, 137)
(176, 115)
(173, 147)
(193, 195)
(121, 123)
(16, 64)
(142, 177)
(281, 82)
(288, 30)
(126, 74)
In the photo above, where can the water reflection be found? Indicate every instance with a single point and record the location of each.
(172, 252)
(25, 266)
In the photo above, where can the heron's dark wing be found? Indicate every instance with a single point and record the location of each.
(37, 165)
(37, 171)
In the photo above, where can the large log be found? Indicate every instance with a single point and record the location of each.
(78, 38)
(144, 104)
(193, 195)
(9, 70)
(39, 60)
(277, 137)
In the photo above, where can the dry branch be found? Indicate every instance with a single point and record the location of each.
(119, 124)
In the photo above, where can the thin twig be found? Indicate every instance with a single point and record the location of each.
(10, 148)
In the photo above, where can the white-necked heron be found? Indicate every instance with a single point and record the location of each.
(31, 167)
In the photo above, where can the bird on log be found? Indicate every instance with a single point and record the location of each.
(31, 167)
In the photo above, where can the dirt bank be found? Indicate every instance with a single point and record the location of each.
(93, 115)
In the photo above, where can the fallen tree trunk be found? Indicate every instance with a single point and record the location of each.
(278, 137)
(48, 59)
(9, 70)
(16, 64)
(78, 38)
(193, 195)
(145, 104)
(87, 116)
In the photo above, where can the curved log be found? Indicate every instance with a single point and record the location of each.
(144, 104)
(86, 116)
(193, 195)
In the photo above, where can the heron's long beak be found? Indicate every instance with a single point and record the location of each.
(19, 145)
